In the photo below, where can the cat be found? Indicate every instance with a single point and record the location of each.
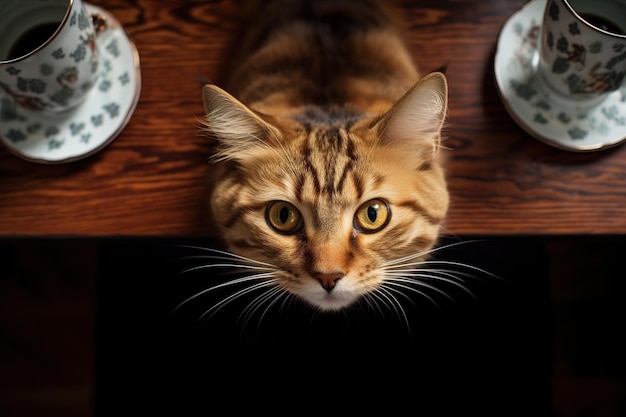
(328, 180)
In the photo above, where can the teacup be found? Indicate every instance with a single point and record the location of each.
(583, 49)
(48, 54)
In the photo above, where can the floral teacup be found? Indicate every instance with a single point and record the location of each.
(583, 49)
(48, 54)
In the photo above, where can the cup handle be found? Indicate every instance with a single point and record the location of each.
(99, 22)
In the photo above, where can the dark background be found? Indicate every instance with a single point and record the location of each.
(86, 328)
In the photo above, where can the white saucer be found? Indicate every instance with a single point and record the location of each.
(564, 126)
(91, 126)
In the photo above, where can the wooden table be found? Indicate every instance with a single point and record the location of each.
(151, 181)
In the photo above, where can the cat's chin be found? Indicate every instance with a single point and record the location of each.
(335, 300)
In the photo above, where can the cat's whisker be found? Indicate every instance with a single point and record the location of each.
(239, 267)
(453, 274)
(392, 286)
(252, 306)
(450, 278)
(442, 263)
(218, 306)
(288, 300)
(371, 302)
(236, 264)
(396, 281)
(415, 290)
(229, 255)
(248, 278)
(247, 313)
(391, 301)
(270, 298)
(375, 298)
(395, 304)
(414, 278)
(442, 146)
(406, 258)
(426, 253)
(279, 294)
(448, 274)
(213, 258)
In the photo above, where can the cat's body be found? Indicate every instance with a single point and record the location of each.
(307, 55)
(327, 176)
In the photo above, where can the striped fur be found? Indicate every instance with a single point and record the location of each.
(327, 112)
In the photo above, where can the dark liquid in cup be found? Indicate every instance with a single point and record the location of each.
(603, 23)
(32, 39)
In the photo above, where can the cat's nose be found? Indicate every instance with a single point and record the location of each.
(328, 280)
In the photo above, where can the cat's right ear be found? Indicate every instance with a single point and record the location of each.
(416, 120)
(239, 131)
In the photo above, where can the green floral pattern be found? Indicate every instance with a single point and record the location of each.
(55, 85)
(99, 118)
(533, 105)
(573, 52)
(8, 108)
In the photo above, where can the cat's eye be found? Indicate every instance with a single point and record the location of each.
(283, 217)
(372, 216)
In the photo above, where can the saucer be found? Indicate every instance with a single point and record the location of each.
(93, 124)
(563, 125)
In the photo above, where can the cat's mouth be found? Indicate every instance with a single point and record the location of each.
(339, 297)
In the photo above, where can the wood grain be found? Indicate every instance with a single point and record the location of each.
(151, 181)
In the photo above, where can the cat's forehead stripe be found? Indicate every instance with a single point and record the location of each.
(310, 169)
(329, 157)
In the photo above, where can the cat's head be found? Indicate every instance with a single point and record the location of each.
(330, 207)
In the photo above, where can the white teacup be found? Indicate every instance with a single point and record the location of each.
(48, 54)
(583, 49)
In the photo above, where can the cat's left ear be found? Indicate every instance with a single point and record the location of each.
(239, 130)
(415, 121)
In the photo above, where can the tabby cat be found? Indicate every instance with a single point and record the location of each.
(328, 184)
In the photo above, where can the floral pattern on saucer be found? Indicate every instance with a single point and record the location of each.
(565, 126)
(82, 131)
